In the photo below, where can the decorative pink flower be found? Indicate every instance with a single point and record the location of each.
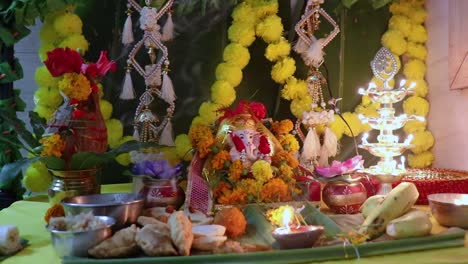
(339, 168)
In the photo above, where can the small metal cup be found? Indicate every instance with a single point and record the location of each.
(77, 243)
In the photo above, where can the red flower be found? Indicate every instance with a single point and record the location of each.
(77, 113)
(238, 142)
(255, 108)
(74, 101)
(90, 70)
(264, 145)
(100, 68)
(60, 61)
(258, 109)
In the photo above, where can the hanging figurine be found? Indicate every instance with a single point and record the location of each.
(311, 50)
(147, 125)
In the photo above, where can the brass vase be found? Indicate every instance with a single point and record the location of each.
(70, 183)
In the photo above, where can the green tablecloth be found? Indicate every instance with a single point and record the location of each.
(28, 216)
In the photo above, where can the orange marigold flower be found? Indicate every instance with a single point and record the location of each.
(222, 189)
(52, 145)
(238, 196)
(235, 170)
(286, 173)
(289, 143)
(282, 127)
(75, 85)
(250, 186)
(54, 211)
(275, 190)
(202, 139)
(218, 160)
(283, 156)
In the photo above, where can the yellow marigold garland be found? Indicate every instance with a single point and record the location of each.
(406, 36)
(415, 70)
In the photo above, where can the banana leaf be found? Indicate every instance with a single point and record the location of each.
(309, 255)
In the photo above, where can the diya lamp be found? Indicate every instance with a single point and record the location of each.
(294, 235)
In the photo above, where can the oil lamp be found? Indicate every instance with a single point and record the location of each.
(292, 234)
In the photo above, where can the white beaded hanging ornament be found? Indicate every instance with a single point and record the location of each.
(311, 50)
(147, 125)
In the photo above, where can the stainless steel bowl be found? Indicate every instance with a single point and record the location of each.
(123, 207)
(77, 243)
(446, 211)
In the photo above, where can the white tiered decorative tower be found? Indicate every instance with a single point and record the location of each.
(384, 67)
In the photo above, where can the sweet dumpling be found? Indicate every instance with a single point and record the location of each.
(181, 232)
(155, 243)
(160, 226)
(121, 244)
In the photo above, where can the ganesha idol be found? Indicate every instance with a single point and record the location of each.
(247, 138)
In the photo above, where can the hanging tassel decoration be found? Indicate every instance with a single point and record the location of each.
(166, 137)
(300, 46)
(329, 147)
(136, 135)
(311, 147)
(314, 54)
(127, 33)
(167, 89)
(128, 93)
(168, 29)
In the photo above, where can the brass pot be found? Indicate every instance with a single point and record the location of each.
(70, 183)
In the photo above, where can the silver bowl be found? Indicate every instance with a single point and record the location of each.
(446, 211)
(123, 207)
(77, 243)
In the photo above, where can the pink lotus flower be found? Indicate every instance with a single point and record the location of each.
(339, 168)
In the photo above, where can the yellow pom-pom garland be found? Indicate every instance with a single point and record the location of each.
(408, 21)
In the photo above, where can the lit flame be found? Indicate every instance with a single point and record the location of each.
(288, 214)
(402, 82)
(408, 139)
(462, 201)
(420, 118)
(364, 139)
(402, 165)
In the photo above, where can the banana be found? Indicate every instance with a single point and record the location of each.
(396, 203)
(370, 204)
(412, 224)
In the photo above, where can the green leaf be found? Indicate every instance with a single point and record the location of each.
(6, 37)
(20, 104)
(20, 128)
(313, 216)
(53, 163)
(37, 123)
(348, 3)
(11, 171)
(12, 74)
(259, 230)
(87, 160)
(376, 4)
